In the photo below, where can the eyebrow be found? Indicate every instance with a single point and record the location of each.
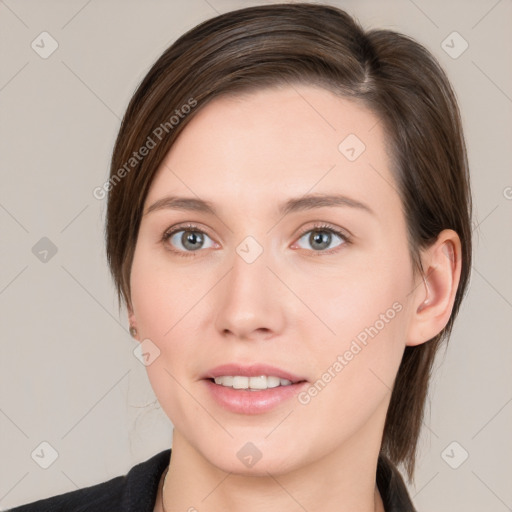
(306, 202)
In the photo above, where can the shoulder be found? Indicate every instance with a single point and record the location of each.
(135, 491)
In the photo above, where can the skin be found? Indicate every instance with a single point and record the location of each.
(293, 307)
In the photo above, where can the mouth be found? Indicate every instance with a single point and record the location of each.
(252, 389)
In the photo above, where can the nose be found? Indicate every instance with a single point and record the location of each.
(251, 302)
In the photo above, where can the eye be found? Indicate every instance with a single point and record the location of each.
(188, 239)
(320, 238)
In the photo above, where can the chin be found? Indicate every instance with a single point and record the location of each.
(275, 466)
(248, 459)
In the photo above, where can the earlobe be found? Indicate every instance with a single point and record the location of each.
(133, 323)
(433, 299)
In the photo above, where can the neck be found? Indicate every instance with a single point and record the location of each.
(344, 480)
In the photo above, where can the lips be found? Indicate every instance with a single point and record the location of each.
(251, 401)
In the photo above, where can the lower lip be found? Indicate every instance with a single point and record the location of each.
(243, 401)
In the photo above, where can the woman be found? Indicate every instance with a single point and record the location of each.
(289, 226)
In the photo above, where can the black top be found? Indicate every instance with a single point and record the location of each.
(136, 492)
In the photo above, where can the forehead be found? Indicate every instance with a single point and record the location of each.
(283, 141)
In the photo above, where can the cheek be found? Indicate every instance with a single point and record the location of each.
(366, 290)
(356, 367)
(160, 298)
(366, 312)
(161, 303)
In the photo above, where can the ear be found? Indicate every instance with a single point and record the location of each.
(434, 294)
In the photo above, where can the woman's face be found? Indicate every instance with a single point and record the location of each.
(262, 280)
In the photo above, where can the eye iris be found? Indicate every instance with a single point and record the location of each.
(321, 237)
(191, 237)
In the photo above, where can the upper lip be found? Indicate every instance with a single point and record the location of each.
(252, 370)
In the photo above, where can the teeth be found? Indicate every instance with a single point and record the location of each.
(252, 383)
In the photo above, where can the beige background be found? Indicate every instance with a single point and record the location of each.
(67, 372)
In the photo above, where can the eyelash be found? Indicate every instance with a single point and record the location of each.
(317, 227)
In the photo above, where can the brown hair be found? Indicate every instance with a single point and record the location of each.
(390, 73)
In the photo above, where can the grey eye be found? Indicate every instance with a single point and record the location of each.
(190, 240)
(320, 239)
